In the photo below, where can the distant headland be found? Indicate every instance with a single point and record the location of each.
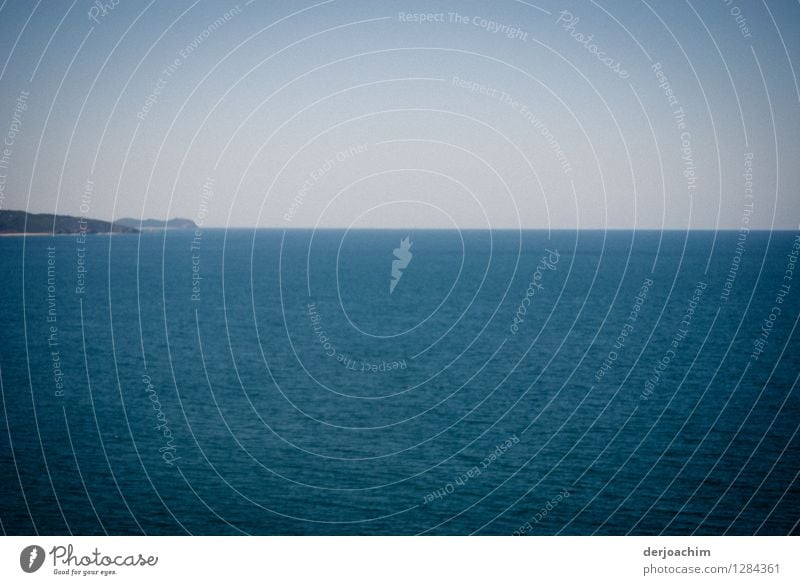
(177, 223)
(15, 222)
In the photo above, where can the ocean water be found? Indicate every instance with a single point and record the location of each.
(268, 382)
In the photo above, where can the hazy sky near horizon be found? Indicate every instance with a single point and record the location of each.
(418, 114)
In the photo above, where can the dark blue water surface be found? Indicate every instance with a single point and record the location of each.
(268, 382)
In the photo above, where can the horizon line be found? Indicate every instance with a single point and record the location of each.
(471, 229)
(407, 228)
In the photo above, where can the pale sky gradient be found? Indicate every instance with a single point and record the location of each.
(365, 110)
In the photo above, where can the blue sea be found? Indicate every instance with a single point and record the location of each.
(487, 382)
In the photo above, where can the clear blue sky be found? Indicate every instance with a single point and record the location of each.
(478, 114)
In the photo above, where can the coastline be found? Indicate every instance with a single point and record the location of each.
(40, 234)
(18, 234)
